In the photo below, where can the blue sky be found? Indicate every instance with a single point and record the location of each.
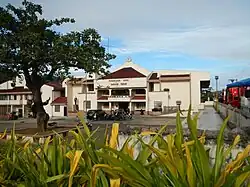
(202, 35)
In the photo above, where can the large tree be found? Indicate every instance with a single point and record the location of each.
(30, 46)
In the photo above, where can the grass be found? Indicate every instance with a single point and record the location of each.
(90, 161)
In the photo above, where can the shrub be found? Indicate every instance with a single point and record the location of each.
(174, 162)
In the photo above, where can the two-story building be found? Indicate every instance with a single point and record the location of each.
(15, 97)
(133, 87)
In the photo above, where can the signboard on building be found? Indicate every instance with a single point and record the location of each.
(123, 83)
(119, 82)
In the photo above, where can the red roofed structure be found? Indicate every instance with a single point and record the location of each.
(15, 90)
(60, 101)
(127, 72)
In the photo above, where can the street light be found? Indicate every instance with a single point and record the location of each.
(167, 90)
(216, 81)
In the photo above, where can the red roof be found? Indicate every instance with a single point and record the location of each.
(104, 97)
(124, 73)
(15, 90)
(55, 85)
(60, 100)
(139, 97)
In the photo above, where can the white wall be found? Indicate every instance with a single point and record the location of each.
(57, 114)
(7, 84)
(91, 96)
(46, 94)
(75, 91)
(196, 77)
(178, 91)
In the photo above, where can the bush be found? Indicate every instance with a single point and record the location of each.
(174, 162)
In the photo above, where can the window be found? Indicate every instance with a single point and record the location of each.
(247, 93)
(105, 105)
(3, 97)
(140, 105)
(88, 104)
(140, 91)
(14, 97)
(90, 87)
(157, 104)
(57, 108)
(151, 87)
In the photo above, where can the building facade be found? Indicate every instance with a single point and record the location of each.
(131, 86)
(15, 97)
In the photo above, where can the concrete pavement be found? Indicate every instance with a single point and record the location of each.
(208, 119)
(138, 121)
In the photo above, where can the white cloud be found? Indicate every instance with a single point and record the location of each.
(208, 29)
(217, 43)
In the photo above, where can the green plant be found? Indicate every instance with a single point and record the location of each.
(79, 162)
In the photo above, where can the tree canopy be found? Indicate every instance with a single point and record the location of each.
(30, 46)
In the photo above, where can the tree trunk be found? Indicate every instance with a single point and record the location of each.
(41, 115)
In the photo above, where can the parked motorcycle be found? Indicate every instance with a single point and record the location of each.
(12, 116)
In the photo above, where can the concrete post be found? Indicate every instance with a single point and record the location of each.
(23, 113)
(130, 92)
(147, 102)
(110, 106)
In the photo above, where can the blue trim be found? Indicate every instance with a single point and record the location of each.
(244, 82)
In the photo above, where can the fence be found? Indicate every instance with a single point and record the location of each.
(238, 118)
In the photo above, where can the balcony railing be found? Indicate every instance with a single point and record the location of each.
(13, 102)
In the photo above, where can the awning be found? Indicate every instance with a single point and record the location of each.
(244, 82)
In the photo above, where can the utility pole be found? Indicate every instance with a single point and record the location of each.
(8, 99)
(216, 81)
(86, 96)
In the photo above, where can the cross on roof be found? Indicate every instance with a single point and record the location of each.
(129, 59)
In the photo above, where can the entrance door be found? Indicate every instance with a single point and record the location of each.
(65, 111)
(20, 113)
(123, 105)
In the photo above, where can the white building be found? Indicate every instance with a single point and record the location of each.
(14, 98)
(131, 86)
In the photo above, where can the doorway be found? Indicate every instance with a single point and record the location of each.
(65, 111)
(20, 113)
(123, 105)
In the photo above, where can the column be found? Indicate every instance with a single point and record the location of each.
(110, 91)
(130, 106)
(11, 108)
(147, 102)
(130, 92)
(23, 113)
(110, 106)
